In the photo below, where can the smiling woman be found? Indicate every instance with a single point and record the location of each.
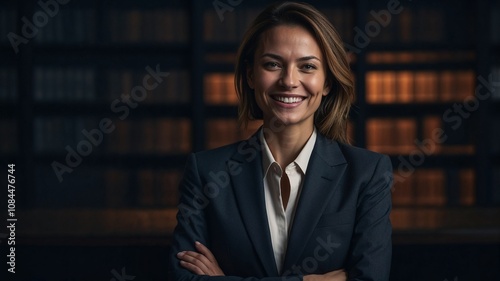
(294, 201)
(330, 61)
(288, 77)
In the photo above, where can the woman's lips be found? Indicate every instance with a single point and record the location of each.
(288, 101)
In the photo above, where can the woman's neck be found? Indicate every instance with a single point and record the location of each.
(286, 142)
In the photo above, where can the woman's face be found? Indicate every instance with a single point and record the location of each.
(288, 75)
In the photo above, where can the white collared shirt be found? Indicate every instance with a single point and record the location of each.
(280, 220)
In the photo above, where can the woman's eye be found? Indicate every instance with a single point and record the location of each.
(271, 65)
(309, 67)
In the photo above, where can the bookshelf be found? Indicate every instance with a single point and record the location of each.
(82, 66)
(78, 71)
(410, 81)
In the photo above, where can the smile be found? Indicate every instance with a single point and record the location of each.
(288, 100)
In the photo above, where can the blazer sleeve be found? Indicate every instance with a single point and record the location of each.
(192, 226)
(371, 244)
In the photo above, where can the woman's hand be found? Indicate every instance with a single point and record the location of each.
(337, 275)
(202, 262)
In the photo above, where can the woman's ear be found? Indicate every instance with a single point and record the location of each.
(250, 77)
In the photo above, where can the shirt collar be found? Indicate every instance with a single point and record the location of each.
(302, 159)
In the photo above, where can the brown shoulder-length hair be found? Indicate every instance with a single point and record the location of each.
(331, 117)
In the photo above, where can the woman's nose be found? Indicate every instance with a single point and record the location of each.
(289, 78)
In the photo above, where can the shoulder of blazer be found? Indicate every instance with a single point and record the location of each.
(241, 151)
(354, 153)
(334, 152)
(365, 163)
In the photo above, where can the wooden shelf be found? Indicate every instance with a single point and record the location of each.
(155, 226)
(102, 109)
(406, 109)
(437, 66)
(112, 49)
(103, 223)
(129, 160)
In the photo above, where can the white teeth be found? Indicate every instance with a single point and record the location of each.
(288, 99)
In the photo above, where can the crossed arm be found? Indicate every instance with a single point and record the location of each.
(203, 262)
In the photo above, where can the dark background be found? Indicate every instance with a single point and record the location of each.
(114, 209)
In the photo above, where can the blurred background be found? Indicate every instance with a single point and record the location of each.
(102, 101)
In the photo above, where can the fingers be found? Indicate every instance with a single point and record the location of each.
(337, 275)
(194, 262)
(202, 262)
(205, 251)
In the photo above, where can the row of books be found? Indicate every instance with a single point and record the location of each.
(91, 187)
(69, 26)
(175, 88)
(148, 26)
(428, 187)
(225, 131)
(155, 188)
(158, 135)
(399, 136)
(64, 83)
(419, 86)
(8, 84)
(73, 26)
(229, 26)
(8, 141)
(53, 134)
(76, 84)
(219, 89)
(391, 136)
(414, 23)
(416, 57)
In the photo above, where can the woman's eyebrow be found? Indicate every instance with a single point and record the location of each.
(277, 57)
(274, 56)
(309, 58)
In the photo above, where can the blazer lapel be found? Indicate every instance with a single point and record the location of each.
(248, 188)
(323, 176)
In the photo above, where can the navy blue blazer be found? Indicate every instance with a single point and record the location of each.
(341, 220)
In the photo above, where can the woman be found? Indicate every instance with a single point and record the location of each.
(295, 200)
